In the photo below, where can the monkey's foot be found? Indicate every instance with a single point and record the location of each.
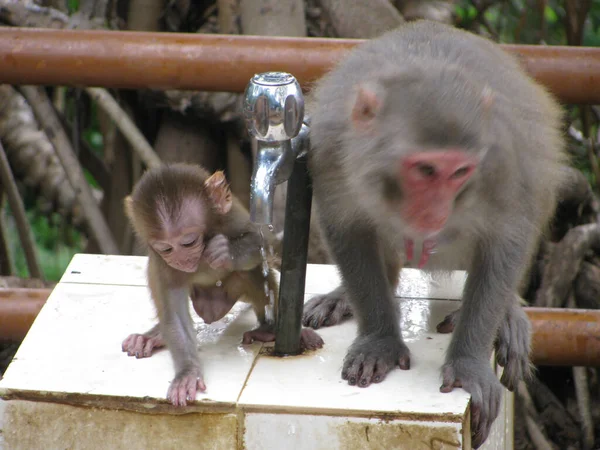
(309, 339)
(261, 334)
(447, 325)
(141, 345)
(185, 385)
(513, 345)
(370, 358)
(478, 379)
(327, 310)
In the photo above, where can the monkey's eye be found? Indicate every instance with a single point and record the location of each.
(166, 250)
(460, 172)
(426, 170)
(189, 240)
(189, 244)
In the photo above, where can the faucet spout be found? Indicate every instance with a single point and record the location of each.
(273, 165)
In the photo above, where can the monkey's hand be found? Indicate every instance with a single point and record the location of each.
(142, 345)
(185, 385)
(478, 379)
(370, 358)
(217, 253)
(513, 345)
(327, 310)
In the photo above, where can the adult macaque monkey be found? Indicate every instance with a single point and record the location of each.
(201, 245)
(432, 140)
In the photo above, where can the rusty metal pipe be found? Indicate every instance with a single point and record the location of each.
(565, 337)
(18, 309)
(127, 59)
(561, 337)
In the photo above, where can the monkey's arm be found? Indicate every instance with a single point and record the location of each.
(489, 291)
(379, 346)
(178, 333)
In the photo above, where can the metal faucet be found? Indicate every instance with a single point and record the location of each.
(274, 113)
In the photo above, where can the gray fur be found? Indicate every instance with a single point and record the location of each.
(431, 79)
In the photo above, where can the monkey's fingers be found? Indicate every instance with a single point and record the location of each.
(310, 340)
(151, 344)
(353, 369)
(133, 345)
(217, 253)
(184, 388)
(126, 344)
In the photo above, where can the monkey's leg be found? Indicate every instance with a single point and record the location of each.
(177, 330)
(378, 347)
(142, 345)
(513, 343)
(488, 295)
(332, 308)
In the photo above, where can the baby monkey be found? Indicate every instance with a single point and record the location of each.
(202, 245)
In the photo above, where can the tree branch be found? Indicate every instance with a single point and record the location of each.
(18, 210)
(47, 117)
(131, 132)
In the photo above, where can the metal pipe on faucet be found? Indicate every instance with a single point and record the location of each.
(274, 113)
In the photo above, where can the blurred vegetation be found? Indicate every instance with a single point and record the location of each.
(536, 22)
(56, 239)
(506, 21)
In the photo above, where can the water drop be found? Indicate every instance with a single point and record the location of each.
(219, 283)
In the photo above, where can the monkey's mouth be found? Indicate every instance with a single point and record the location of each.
(188, 266)
(428, 247)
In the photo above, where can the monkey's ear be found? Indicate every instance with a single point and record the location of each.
(366, 107)
(219, 193)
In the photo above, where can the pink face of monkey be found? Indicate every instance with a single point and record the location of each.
(430, 181)
(424, 171)
(181, 247)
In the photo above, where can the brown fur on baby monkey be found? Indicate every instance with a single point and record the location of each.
(433, 139)
(202, 245)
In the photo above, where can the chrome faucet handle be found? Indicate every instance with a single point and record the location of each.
(273, 106)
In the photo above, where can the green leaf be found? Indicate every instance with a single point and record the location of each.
(550, 15)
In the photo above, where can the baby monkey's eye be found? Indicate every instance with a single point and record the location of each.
(166, 251)
(190, 244)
